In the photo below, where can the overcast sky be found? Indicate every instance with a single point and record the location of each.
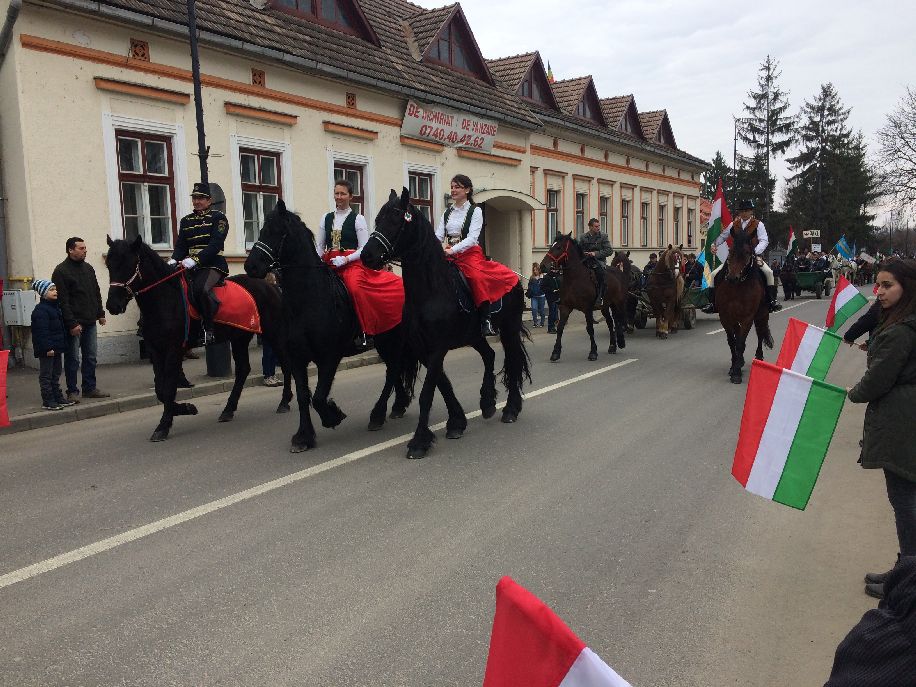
(698, 59)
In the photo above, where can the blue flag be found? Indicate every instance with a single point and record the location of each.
(842, 247)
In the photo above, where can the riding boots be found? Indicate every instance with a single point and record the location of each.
(710, 308)
(774, 299)
(486, 327)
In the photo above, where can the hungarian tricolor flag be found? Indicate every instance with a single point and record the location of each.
(4, 409)
(719, 218)
(793, 243)
(786, 429)
(847, 301)
(531, 647)
(807, 349)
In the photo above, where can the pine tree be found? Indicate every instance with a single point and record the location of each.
(767, 130)
(719, 170)
(833, 185)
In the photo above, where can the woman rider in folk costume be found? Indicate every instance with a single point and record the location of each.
(378, 297)
(199, 247)
(461, 224)
(754, 228)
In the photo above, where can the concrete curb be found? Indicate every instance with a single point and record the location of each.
(24, 423)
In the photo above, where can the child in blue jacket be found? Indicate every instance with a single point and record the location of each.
(49, 341)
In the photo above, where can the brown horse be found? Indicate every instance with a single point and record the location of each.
(665, 289)
(742, 301)
(578, 292)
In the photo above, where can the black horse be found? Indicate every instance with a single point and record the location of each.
(136, 271)
(789, 279)
(437, 323)
(321, 325)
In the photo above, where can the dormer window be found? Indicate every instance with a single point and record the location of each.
(450, 48)
(340, 15)
(583, 109)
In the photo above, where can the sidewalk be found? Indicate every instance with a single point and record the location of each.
(131, 387)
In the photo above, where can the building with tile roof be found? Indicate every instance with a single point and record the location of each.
(295, 94)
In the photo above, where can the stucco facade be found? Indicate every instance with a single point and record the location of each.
(74, 90)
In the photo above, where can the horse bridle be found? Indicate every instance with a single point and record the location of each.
(126, 285)
(745, 271)
(564, 256)
(388, 248)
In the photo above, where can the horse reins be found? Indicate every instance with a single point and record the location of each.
(564, 256)
(133, 294)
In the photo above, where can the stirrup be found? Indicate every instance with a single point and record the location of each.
(209, 337)
(775, 306)
(710, 309)
(486, 328)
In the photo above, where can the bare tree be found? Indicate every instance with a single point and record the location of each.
(897, 151)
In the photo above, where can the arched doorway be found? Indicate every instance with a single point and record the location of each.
(507, 226)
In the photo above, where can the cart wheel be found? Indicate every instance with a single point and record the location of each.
(642, 319)
(690, 318)
(818, 290)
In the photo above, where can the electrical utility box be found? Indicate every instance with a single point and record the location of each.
(18, 307)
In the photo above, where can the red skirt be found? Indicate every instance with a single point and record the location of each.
(489, 280)
(378, 297)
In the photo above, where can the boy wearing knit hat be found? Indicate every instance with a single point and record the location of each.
(49, 341)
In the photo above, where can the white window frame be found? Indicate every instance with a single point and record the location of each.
(645, 209)
(285, 149)
(368, 165)
(691, 213)
(662, 229)
(625, 221)
(436, 190)
(110, 123)
(558, 229)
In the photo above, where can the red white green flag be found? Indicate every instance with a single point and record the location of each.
(793, 243)
(531, 647)
(788, 423)
(847, 301)
(807, 349)
(719, 218)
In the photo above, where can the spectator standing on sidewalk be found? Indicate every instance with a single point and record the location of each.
(268, 355)
(536, 294)
(81, 304)
(889, 388)
(550, 285)
(49, 341)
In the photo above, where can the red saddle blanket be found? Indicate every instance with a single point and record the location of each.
(236, 307)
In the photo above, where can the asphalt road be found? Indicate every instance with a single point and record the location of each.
(218, 558)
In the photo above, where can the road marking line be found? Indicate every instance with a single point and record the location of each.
(172, 521)
(719, 331)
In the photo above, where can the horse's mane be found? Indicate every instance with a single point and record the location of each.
(423, 249)
(296, 229)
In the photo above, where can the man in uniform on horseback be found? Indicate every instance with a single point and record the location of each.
(753, 227)
(199, 249)
(597, 247)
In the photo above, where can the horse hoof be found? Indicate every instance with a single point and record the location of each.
(298, 448)
(509, 416)
(488, 412)
(612, 350)
(454, 433)
(734, 379)
(225, 417)
(191, 408)
(375, 426)
(283, 408)
(593, 356)
(397, 413)
(661, 335)
(416, 453)
(160, 435)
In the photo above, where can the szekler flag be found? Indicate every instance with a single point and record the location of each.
(793, 243)
(719, 218)
(788, 423)
(807, 349)
(847, 301)
(4, 410)
(842, 247)
(531, 647)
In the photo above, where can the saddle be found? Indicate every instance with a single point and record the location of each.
(463, 298)
(237, 307)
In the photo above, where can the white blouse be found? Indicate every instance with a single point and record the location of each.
(456, 224)
(362, 233)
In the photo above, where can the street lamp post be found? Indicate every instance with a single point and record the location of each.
(202, 150)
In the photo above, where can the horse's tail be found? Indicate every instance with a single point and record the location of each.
(763, 332)
(512, 335)
(410, 368)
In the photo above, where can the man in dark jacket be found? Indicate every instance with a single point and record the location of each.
(550, 284)
(81, 304)
(597, 249)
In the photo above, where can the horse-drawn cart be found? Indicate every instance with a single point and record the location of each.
(691, 300)
(820, 282)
